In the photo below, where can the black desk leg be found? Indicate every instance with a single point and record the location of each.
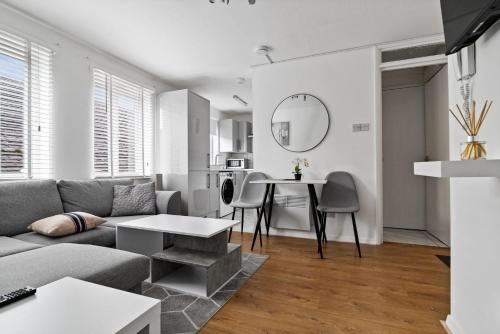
(271, 203)
(314, 211)
(259, 219)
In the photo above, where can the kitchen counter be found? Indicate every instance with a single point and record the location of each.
(234, 170)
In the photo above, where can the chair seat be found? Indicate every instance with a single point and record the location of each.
(337, 209)
(245, 205)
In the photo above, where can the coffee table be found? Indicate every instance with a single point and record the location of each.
(73, 306)
(197, 260)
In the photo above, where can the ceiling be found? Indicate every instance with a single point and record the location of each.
(205, 47)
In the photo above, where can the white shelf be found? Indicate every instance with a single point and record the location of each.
(466, 168)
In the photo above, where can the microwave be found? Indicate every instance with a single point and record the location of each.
(236, 163)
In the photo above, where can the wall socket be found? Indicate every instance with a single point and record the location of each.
(358, 127)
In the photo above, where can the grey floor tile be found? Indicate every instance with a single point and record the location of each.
(242, 274)
(258, 259)
(175, 322)
(146, 286)
(176, 303)
(156, 292)
(173, 293)
(234, 284)
(182, 314)
(221, 297)
(250, 268)
(201, 311)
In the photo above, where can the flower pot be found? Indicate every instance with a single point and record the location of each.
(298, 176)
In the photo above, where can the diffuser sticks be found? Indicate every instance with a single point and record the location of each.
(471, 123)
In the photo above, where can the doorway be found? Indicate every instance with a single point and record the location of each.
(416, 209)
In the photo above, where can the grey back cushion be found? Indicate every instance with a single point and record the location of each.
(24, 202)
(134, 200)
(92, 196)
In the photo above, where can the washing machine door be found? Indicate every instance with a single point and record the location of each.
(227, 191)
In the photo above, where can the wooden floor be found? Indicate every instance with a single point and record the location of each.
(394, 288)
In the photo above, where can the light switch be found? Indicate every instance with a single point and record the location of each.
(356, 127)
(365, 126)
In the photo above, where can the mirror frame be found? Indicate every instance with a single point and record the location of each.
(322, 139)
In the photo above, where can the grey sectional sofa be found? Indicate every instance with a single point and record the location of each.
(28, 258)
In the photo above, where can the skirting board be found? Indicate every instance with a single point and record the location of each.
(452, 326)
(249, 228)
(443, 323)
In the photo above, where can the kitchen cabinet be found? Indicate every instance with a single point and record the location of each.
(235, 137)
(245, 137)
(228, 135)
(214, 193)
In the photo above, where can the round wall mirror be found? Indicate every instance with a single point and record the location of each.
(300, 123)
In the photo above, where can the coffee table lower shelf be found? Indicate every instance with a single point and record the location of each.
(195, 272)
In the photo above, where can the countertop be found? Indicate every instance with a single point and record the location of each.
(235, 170)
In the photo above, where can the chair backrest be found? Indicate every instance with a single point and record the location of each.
(253, 193)
(340, 191)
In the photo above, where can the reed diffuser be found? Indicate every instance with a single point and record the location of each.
(472, 149)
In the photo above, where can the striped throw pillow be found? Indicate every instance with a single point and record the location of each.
(66, 223)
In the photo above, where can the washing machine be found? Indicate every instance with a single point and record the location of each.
(227, 190)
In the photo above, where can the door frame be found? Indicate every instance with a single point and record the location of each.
(390, 66)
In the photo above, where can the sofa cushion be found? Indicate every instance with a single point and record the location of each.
(66, 224)
(100, 265)
(139, 199)
(112, 221)
(100, 236)
(92, 196)
(24, 202)
(10, 246)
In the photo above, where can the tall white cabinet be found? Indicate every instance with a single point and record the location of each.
(183, 149)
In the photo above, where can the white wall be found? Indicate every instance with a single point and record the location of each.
(73, 63)
(475, 209)
(345, 82)
(437, 148)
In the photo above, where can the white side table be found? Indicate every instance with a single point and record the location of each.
(73, 306)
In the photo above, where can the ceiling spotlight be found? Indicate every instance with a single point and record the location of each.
(250, 2)
(263, 50)
(240, 100)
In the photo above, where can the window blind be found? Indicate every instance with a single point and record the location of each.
(123, 127)
(25, 108)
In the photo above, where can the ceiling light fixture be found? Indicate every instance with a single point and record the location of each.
(250, 2)
(240, 100)
(263, 50)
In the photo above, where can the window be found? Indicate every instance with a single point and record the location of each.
(123, 127)
(25, 108)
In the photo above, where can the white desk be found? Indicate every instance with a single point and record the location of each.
(78, 307)
(271, 186)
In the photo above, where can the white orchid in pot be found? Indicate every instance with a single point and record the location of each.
(297, 170)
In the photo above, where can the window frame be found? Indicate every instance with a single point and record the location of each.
(109, 108)
(31, 171)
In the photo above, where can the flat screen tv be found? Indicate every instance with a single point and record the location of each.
(465, 21)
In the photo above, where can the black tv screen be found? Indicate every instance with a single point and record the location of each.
(464, 21)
